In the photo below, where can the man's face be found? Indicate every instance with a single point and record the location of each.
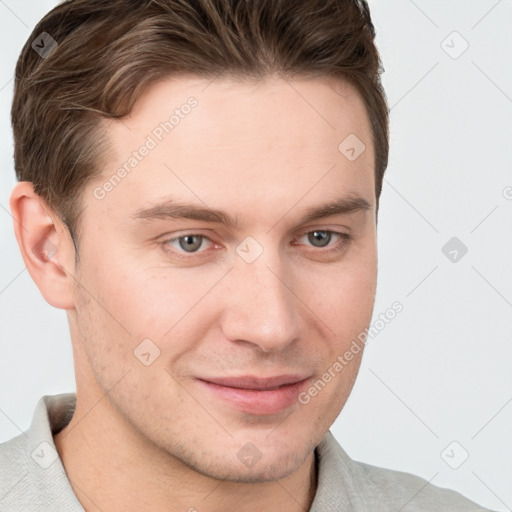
(168, 304)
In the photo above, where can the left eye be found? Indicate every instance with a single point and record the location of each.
(189, 243)
(321, 238)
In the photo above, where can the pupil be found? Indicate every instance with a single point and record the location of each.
(321, 236)
(190, 242)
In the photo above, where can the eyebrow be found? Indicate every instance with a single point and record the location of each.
(174, 209)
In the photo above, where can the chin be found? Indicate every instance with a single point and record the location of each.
(271, 462)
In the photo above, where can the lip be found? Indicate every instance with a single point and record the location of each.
(256, 395)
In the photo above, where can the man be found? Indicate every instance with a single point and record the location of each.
(198, 189)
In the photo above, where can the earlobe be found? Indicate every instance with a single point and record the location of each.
(45, 245)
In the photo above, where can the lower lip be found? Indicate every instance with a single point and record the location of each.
(255, 401)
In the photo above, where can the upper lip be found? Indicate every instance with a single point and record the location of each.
(256, 383)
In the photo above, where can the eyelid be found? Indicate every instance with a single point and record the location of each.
(333, 229)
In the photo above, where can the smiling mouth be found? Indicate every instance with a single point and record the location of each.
(254, 395)
(251, 382)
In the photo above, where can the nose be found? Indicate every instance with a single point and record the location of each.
(261, 308)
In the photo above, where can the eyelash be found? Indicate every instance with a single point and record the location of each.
(343, 240)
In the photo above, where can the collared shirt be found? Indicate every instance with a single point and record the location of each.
(32, 476)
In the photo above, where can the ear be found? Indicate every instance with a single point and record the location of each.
(46, 245)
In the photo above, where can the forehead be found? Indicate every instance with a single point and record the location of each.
(231, 143)
(233, 111)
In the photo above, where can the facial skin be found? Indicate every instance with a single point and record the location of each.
(263, 152)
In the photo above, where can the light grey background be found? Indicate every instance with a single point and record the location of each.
(441, 370)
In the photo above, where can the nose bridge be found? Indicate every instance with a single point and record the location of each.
(261, 310)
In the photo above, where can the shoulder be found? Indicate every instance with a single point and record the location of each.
(411, 493)
(33, 477)
(13, 466)
(368, 487)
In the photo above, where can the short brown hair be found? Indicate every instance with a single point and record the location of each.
(108, 52)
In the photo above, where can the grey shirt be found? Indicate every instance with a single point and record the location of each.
(32, 476)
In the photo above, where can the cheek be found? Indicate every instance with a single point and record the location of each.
(342, 295)
(136, 303)
(142, 299)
